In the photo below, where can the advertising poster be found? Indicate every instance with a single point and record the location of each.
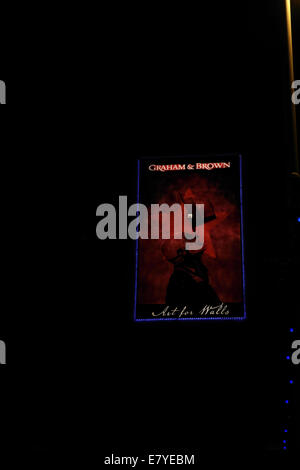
(176, 279)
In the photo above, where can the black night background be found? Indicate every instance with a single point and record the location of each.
(83, 380)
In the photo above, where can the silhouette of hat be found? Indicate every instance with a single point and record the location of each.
(189, 197)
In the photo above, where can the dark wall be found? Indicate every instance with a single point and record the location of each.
(153, 81)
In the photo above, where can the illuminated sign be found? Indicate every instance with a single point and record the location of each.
(175, 281)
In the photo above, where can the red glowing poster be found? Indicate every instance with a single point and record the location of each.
(174, 279)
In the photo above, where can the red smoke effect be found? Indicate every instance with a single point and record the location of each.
(225, 269)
